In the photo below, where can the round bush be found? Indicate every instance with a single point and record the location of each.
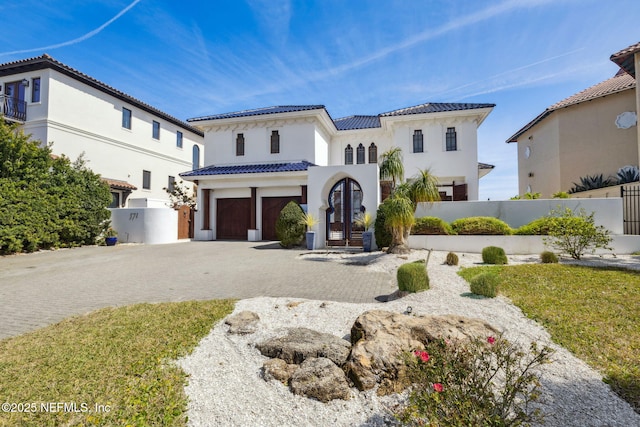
(481, 225)
(383, 236)
(494, 255)
(485, 284)
(537, 227)
(431, 225)
(452, 259)
(548, 257)
(412, 277)
(289, 226)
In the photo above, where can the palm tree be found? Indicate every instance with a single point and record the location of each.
(392, 166)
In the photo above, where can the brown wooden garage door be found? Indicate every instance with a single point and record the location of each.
(271, 207)
(233, 219)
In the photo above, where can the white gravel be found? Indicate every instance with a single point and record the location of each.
(225, 387)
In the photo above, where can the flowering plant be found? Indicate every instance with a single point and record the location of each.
(473, 382)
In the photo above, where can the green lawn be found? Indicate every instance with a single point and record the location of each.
(593, 312)
(118, 358)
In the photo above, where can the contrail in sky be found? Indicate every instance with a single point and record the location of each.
(79, 39)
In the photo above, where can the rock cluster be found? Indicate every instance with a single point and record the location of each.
(323, 366)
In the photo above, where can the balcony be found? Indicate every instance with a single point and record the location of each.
(13, 109)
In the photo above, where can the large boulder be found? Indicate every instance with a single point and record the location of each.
(279, 370)
(245, 322)
(320, 378)
(300, 344)
(379, 339)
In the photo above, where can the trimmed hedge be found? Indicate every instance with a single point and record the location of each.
(431, 225)
(452, 259)
(289, 226)
(494, 255)
(481, 225)
(412, 277)
(548, 257)
(485, 284)
(537, 227)
(383, 236)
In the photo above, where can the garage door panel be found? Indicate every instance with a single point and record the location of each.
(233, 218)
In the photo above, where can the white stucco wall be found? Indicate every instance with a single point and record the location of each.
(145, 225)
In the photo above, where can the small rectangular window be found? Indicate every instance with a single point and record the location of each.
(451, 140)
(126, 118)
(275, 142)
(179, 139)
(156, 130)
(172, 184)
(240, 145)
(418, 141)
(35, 89)
(146, 180)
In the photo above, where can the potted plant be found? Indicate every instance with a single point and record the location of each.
(110, 237)
(310, 221)
(365, 220)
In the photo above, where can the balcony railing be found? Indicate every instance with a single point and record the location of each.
(13, 108)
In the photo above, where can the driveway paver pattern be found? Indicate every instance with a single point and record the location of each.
(45, 287)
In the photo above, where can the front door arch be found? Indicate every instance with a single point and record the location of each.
(345, 205)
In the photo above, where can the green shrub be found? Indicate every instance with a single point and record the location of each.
(412, 277)
(452, 259)
(548, 257)
(561, 195)
(494, 255)
(481, 225)
(536, 227)
(290, 227)
(383, 235)
(431, 225)
(483, 381)
(576, 233)
(485, 284)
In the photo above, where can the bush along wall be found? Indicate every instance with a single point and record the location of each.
(481, 225)
(494, 255)
(431, 225)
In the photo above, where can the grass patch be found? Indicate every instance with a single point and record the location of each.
(593, 312)
(117, 357)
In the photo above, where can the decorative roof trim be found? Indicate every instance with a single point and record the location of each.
(45, 61)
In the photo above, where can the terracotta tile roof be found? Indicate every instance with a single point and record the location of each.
(46, 61)
(117, 184)
(260, 111)
(619, 83)
(625, 60)
(253, 168)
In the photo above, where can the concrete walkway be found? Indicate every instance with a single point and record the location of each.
(43, 288)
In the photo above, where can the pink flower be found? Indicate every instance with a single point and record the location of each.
(491, 340)
(423, 355)
(438, 387)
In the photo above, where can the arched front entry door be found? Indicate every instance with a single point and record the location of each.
(345, 205)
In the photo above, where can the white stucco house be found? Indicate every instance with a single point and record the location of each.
(258, 160)
(136, 148)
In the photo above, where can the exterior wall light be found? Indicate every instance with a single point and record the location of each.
(25, 82)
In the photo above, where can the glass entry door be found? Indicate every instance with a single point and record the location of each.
(345, 206)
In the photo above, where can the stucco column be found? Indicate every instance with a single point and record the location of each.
(254, 201)
(206, 209)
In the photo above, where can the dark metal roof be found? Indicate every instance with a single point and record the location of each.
(485, 166)
(625, 60)
(357, 122)
(255, 168)
(436, 107)
(45, 61)
(618, 83)
(260, 111)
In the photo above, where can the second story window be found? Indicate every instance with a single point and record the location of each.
(156, 130)
(451, 140)
(418, 141)
(373, 153)
(240, 144)
(35, 89)
(179, 139)
(275, 142)
(126, 118)
(146, 180)
(360, 154)
(348, 155)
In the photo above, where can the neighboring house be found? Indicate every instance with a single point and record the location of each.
(590, 133)
(258, 160)
(137, 149)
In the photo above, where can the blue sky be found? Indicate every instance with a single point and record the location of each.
(193, 58)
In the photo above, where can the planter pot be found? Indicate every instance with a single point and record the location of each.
(111, 241)
(311, 240)
(367, 238)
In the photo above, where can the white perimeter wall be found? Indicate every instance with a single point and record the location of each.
(608, 212)
(145, 225)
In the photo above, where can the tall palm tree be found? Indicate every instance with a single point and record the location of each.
(392, 166)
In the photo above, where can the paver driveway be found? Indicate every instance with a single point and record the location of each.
(43, 288)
